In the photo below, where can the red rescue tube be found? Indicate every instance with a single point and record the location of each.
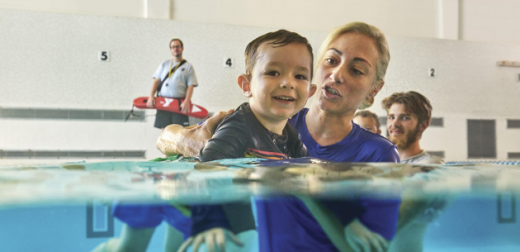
(172, 105)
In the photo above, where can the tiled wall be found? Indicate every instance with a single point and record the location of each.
(50, 61)
(470, 20)
(399, 18)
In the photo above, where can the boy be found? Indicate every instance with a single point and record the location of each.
(277, 81)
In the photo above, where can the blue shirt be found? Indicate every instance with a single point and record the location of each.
(285, 224)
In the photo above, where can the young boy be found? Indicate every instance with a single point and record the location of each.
(277, 81)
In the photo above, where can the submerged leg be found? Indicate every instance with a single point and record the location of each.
(173, 239)
(131, 240)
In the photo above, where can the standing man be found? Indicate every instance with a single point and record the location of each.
(409, 114)
(174, 78)
(368, 120)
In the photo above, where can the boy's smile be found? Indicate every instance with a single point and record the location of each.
(280, 83)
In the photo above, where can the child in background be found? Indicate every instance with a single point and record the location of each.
(277, 81)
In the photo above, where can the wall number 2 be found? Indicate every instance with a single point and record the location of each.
(431, 72)
(104, 56)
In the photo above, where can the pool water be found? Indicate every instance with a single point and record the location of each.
(463, 207)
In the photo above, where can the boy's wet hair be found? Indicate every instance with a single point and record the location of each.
(276, 39)
(414, 103)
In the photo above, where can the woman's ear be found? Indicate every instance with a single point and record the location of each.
(369, 100)
(379, 85)
(245, 84)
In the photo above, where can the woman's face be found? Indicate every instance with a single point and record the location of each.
(346, 75)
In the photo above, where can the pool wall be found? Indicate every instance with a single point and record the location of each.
(67, 75)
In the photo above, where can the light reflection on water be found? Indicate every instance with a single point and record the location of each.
(464, 207)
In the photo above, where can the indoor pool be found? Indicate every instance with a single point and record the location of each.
(68, 207)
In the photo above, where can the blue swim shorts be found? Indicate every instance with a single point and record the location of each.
(151, 216)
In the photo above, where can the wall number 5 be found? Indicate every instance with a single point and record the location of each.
(104, 56)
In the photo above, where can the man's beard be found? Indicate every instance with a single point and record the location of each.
(409, 138)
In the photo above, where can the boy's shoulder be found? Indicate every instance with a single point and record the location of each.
(242, 117)
(241, 113)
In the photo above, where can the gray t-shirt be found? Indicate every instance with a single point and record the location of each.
(177, 85)
(423, 158)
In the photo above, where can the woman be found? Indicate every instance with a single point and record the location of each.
(350, 70)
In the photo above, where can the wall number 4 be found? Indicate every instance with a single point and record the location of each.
(228, 62)
(104, 56)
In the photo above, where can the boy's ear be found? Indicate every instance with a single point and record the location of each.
(245, 84)
(312, 90)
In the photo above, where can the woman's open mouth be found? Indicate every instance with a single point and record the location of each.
(329, 91)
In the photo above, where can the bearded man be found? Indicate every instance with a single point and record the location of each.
(409, 114)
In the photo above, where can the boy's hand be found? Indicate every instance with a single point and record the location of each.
(361, 239)
(210, 237)
(188, 141)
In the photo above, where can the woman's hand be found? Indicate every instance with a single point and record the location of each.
(212, 237)
(361, 239)
(188, 141)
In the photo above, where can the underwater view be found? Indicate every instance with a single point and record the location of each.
(80, 206)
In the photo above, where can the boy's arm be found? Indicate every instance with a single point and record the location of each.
(188, 141)
(229, 141)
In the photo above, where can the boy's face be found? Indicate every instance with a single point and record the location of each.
(368, 123)
(280, 83)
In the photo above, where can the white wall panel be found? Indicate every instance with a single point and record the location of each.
(490, 20)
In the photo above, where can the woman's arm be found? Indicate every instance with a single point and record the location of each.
(188, 141)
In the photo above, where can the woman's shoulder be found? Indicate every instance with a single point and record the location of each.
(299, 118)
(375, 143)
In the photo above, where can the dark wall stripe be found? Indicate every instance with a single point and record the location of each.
(436, 153)
(436, 121)
(36, 154)
(70, 114)
(382, 120)
(513, 155)
(482, 139)
(513, 124)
